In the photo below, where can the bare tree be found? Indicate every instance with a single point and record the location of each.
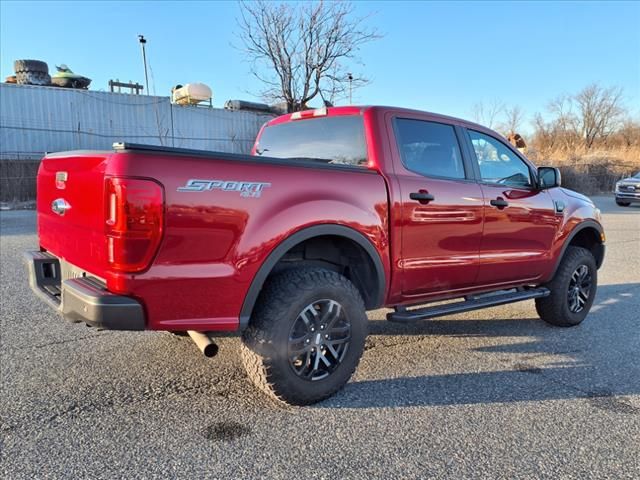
(630, 132)
(600, 112)
(587, 117)
(562, 108)
(544, 135)
(488, 114)
(565, 124)
(513, 119)
(298, 50)
(594, 117)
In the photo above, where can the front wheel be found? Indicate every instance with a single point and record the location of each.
(573, 289)
(621, 203)
(306, 336)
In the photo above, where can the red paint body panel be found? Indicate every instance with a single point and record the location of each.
(440, 240)
(516, 242)
(215, 241)
(79, 235)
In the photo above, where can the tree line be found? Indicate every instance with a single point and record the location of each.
(596, 117)
(304, 52)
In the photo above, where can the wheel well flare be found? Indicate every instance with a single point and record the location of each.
(334, 247)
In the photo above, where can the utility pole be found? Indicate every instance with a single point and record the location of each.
(350, 78)
(143, 41)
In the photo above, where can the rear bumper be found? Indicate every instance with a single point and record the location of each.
(84, 299)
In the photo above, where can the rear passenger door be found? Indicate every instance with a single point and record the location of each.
(441, 208)
(520, 221)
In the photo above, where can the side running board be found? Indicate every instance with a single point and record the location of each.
(403, 315)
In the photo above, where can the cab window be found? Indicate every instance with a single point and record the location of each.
(429, 148)
(338, 139)
(498, 163)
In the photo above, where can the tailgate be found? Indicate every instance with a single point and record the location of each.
(70, 202)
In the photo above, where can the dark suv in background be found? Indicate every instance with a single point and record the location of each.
(628, 190)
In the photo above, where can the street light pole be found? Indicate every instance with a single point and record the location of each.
(350, 78)
(143, 41)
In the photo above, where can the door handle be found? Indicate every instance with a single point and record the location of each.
(500, 203)
(422, 196)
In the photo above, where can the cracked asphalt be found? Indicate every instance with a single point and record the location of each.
(489, 394)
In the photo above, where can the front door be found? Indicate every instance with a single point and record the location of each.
(441, 209)
(520, 221)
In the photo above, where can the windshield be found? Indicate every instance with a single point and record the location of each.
(338, 139)
(637, 175)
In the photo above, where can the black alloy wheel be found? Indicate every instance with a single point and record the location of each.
(319, 340)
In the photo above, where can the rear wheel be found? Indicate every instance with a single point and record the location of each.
(306, 336)
(572, 289)
(622, 203)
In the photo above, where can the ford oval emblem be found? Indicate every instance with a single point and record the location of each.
(60, 206)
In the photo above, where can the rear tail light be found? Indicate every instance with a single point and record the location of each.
(134, 211)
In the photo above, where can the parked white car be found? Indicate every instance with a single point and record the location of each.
(628, 190)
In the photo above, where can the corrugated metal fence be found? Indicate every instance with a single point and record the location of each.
(35, 120)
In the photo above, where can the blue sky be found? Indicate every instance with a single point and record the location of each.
(441, 57)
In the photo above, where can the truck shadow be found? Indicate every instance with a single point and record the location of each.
(596, 361)
(524, 383)
(608, 297)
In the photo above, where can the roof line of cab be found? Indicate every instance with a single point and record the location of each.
(360, 109)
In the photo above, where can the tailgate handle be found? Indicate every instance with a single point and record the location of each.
(60, 206)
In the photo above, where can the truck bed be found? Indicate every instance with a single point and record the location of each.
(214, 236)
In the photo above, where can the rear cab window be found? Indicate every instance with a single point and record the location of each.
(429, 148)
(334, 139)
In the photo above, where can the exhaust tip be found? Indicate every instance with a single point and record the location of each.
(210, 350)
(204, 343)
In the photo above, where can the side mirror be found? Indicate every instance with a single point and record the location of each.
(548, 177)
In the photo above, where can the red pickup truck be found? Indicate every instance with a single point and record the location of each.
(337, 211)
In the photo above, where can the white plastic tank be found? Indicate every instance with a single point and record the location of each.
(191, 94)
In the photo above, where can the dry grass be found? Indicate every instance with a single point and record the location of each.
(594, 171)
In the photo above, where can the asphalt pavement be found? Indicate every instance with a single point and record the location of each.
(495, 393)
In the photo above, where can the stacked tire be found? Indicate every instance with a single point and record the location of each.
(31, 72)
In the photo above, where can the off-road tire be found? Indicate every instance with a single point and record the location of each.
(554, 309)
(33, 78)
(622, 204)
(30, 66)
(265, 342)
